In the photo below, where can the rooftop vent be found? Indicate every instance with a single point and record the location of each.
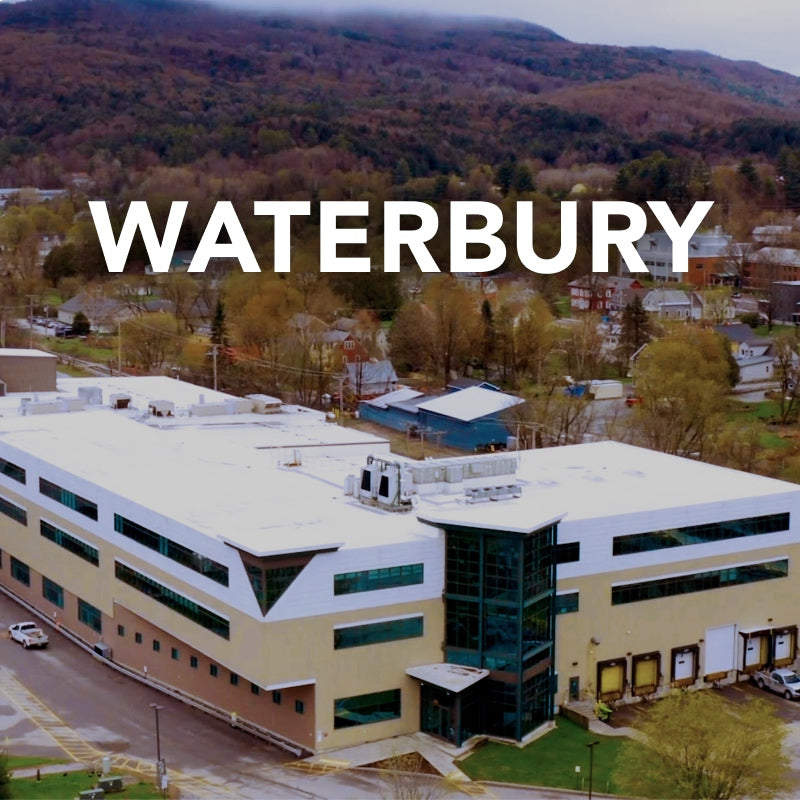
(119, 401)
(480, 494)
(161, 408)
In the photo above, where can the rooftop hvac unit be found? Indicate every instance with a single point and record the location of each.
(72, 404)
(479, 494)
(454, 473)
(119, 401)
(370, 477)
(91, 395)
(161, 408)
(387, 484)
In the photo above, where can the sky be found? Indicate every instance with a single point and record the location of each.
(765, 31)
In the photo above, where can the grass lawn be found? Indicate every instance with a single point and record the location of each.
(562, 306)
(764, 410)
(60, 787)
(549, 761)
(96, 349)
(774, 441)
(763, 331)
(20, 762)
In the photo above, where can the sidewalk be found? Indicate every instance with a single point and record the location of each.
(48, 769)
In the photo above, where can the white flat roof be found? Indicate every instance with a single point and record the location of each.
(275, 483)
(400, 395)
(21, 351)
(471, 403)
(453, 677)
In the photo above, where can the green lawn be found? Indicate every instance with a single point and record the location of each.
(765, 410)
(60, 787)
(549, 761)
(562, 306)
(764, 331)
(20, 762)
(102, 350)
(774, 441)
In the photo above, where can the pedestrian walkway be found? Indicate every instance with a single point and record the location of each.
(441, 755)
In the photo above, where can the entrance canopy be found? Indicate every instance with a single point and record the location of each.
(451, 677)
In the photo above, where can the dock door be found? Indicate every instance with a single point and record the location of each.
(720, 652)
(685, 665)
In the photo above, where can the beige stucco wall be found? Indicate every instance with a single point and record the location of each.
(659, 625)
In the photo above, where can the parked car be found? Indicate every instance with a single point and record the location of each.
(780, 681)
(28, 634)
(632, 400)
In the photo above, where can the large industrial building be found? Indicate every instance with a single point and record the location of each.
(298, 575)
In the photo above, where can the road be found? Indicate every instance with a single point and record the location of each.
(61, 702)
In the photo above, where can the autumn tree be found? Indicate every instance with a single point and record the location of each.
(185, 292)
(683, 380)
(718, 304)
(698, 746)
(455, 323)
(738, 445)
(151, 342)
(534, 339)
(411, 338)
(560, 418)
(584, 348)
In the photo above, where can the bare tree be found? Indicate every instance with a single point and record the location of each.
(787, 369)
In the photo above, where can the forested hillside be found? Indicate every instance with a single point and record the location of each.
(155, 81)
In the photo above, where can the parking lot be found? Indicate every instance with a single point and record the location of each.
(737, 693)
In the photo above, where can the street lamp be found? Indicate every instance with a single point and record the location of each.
(157, 708)
(591, 747)
(161, 767)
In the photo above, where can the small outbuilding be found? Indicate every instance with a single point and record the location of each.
(27, 370)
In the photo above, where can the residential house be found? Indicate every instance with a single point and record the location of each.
(670, 304)
(368, 332)
(599, 293)
(104, 312)
(363, 379)
(340, 347)
(753, 354)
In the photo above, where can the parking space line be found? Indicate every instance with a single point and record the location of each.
(82, 752)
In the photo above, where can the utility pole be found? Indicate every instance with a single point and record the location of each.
(214, 349)
(30, 321)
(119, 351)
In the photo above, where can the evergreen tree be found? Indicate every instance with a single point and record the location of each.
(635, 327)
(219, 326)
